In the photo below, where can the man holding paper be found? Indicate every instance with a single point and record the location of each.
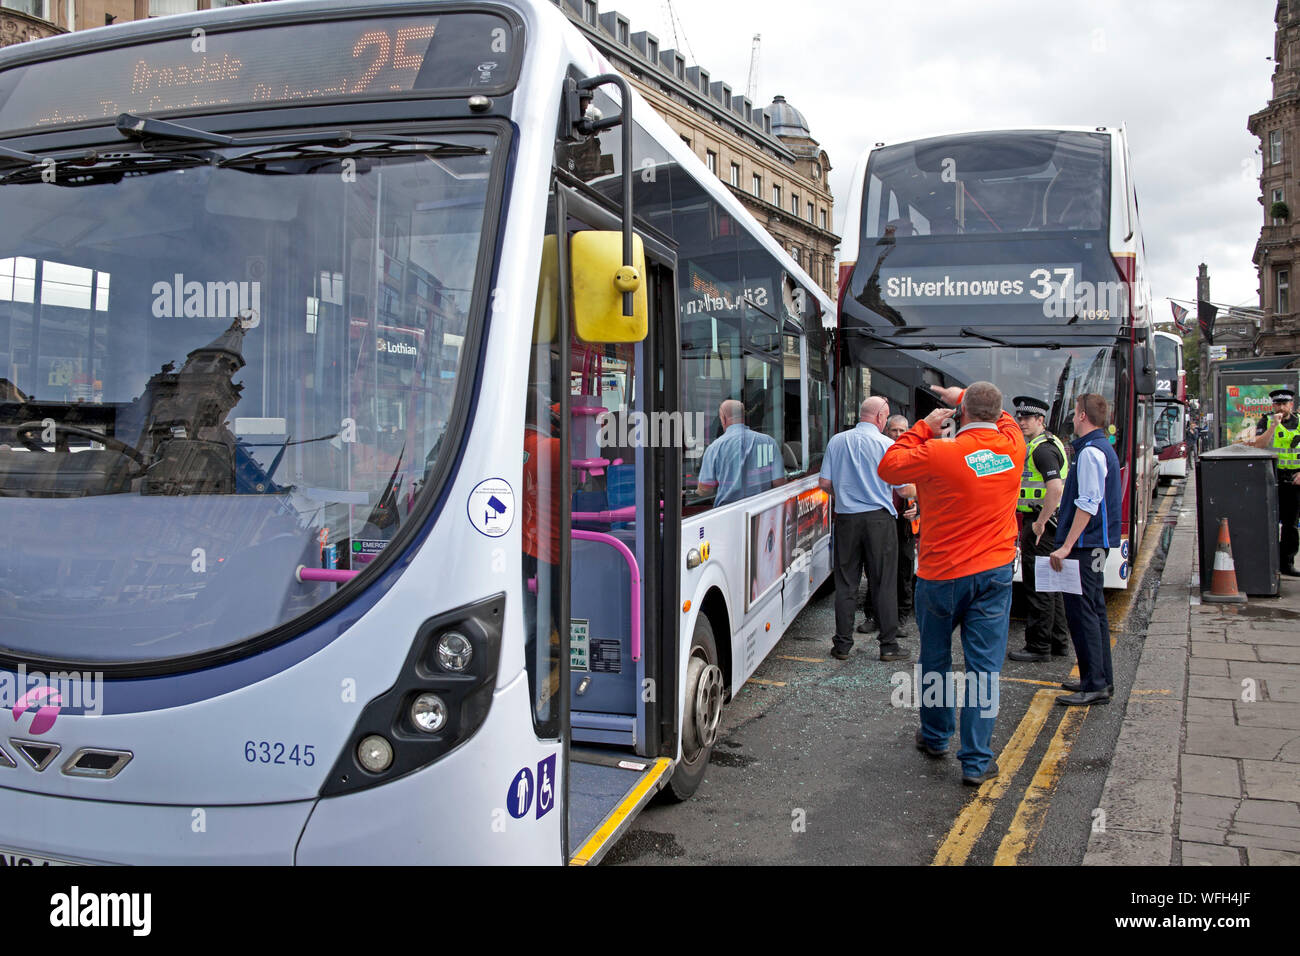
(1088, 527)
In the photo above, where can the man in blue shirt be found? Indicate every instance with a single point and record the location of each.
(742, 462)
(1089, 525)
(865, 528)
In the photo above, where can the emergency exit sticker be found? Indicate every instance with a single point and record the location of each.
(579, 645)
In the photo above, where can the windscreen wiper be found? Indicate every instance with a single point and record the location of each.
(328, 150)
(967, 331)
(928, 346)
(90, 167)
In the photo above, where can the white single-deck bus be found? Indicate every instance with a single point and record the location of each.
(1012, 256)
(358, 368)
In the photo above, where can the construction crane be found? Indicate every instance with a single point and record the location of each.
(751, 88)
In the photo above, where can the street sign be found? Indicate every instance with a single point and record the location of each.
(1218, 353)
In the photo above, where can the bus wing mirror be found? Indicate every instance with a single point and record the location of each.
(1144, 371)
(600, 280)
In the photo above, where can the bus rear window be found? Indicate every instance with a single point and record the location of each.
(1005, 182)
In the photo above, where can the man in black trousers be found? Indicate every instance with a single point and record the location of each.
(865, 528)
(1089, 526)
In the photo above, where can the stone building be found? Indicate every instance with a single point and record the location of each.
(766, 155)
(34, 19)
(1277, 253)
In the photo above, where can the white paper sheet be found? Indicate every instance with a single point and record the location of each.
(1065, 580)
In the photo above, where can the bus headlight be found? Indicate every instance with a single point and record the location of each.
(429, 713)
(375, 753)
(454, 652)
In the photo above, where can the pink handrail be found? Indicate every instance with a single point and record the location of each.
(622, 549)
(333, 575)
(606, 517)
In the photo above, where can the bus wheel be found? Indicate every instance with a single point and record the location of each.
(701, 715)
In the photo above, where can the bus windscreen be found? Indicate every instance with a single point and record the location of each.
(988, 183)
(366, 59)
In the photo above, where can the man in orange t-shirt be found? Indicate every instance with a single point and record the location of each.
(967, 485)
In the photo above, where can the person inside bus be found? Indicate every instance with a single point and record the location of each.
(741, 462)
(967, 486)
(543, 459)
(1280, 430)
(1046, 631)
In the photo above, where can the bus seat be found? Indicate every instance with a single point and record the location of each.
(792, 453)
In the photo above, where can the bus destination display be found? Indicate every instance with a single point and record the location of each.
(362, 59)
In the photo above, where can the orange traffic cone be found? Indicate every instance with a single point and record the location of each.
(1223, 582)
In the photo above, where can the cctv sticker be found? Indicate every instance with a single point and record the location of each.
(492, 507)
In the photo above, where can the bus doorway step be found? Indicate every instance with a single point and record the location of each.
(606, 792)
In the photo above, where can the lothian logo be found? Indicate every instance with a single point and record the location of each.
(45, 713)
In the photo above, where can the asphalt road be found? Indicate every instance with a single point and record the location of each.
(814, 765)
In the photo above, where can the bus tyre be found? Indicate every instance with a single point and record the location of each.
(702, 714)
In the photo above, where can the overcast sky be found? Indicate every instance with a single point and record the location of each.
(1184, 76)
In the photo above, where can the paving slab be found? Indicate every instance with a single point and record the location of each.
(1270, 780)
(1259, 743)
(1258, 856)
(1206, 854)
(1118, 847)
(1217, 776)
(1205, 708)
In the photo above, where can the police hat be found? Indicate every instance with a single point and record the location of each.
(1026, 405)
(1282, 395)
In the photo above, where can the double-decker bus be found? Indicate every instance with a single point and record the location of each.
(1012, 256)
(359, 370)
(1170, 403)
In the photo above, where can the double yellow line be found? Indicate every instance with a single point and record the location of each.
(1032, 811)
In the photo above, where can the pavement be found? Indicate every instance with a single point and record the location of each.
(1206, 771)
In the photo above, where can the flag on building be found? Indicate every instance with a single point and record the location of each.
(1180, 318)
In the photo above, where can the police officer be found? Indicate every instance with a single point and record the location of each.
(1281, 432)
(1041, 485)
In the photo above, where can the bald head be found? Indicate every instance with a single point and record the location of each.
(731, 411)
(874, 411)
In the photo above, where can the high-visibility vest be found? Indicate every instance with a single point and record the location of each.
(1284, 440)
(1033, 486)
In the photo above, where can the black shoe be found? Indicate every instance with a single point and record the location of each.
(1289, 571)
(1084, 698)
(1077, 687)
(926, 749)
(1062, 651)
(990, 772)
(892, 652)
(1028, 655)
(868, 626)
(841, 655)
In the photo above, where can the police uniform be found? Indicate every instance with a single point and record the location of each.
(1046, 629)
(1286, 442)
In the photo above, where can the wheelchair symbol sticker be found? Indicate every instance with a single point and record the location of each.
(545, 786)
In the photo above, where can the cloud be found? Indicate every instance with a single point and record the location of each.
(1183, 76)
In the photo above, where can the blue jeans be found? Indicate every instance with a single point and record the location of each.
(980, 604)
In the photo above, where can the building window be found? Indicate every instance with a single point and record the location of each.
(758, 186)
(794, 203)
(589, 11)
(823, 213)
(622, 33)
(1283, 291)
(794, 253)
(652, 50)
(810, 212)
(1275, 147)
(35, 8)
(776, 195)
(165, 8)
(817, 170)
(735, 175)
(711, 158)
(1277, 197)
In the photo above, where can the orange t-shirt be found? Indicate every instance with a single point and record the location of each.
(541, 452)
(967, 488)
